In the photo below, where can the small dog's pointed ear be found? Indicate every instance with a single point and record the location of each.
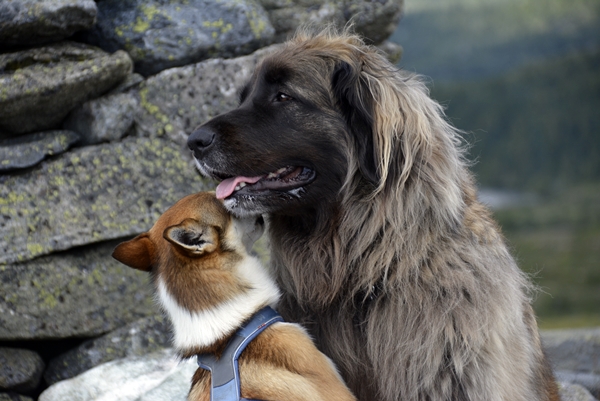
(137, 253)
(357, 106)
(192, 237)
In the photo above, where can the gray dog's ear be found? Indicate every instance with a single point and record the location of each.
(357, 106)
(192, 237)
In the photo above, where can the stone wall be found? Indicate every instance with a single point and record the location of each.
(96, 101)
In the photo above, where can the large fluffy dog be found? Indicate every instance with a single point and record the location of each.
(378, 241)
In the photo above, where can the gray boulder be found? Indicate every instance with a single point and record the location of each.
(393, 51)
(105, 119)
(589, 381)
(575, 356)
(175, 101)
(81, 293)
(131, 81)
(20, 370)
(28, 150)
(156, 377)
(32, 22)
(159, 35)
(91, 194)
(375, 20)
(574, 350)
(14, 397)
(135, 339)
(287, 15)
(38, 87)
(574, 392)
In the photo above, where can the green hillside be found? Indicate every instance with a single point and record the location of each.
(537, 129)
(534, 128)
(466, 39)
(557, 242)
(522, 79)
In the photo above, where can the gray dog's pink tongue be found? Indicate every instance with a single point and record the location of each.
(227, 186)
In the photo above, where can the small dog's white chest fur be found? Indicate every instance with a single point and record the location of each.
(203, 328)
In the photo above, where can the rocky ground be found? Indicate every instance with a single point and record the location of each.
(96, 102)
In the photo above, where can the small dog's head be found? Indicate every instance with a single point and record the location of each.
(196, 229)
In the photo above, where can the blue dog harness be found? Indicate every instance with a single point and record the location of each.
(225, 375)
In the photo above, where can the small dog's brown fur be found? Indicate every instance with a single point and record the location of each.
(196, 252)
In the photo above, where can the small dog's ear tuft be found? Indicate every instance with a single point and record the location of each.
(192, 237)
(357, 106)
(137, 253)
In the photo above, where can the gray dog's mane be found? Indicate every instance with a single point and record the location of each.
(408, 284)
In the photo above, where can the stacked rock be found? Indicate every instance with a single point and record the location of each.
(96, 102)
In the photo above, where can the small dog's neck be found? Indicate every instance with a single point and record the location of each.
(198, 331)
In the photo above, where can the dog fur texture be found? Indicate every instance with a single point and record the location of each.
(209, 285)
(378, 241)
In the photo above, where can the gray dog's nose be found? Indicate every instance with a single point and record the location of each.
(201, 139)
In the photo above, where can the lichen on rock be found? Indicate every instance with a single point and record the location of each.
(90, 195)
(38, 87)
(374, 20)
(175, 101)
(34, 22)
(28, 150)
(106, 119)
(83, 292)
(160, 35)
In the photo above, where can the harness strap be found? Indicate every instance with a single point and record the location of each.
(225, 377)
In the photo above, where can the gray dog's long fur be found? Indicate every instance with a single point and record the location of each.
(410, 287)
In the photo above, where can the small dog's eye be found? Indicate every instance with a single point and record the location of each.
(282, 97)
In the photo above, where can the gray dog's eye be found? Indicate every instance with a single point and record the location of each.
(282, 97)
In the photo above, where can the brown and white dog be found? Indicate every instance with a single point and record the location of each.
(209, 285)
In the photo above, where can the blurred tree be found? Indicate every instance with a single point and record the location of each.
(532, 128)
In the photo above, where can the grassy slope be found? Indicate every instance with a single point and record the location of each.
(466, 39)
(558, 243)
(523, 78)
(533, 128)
